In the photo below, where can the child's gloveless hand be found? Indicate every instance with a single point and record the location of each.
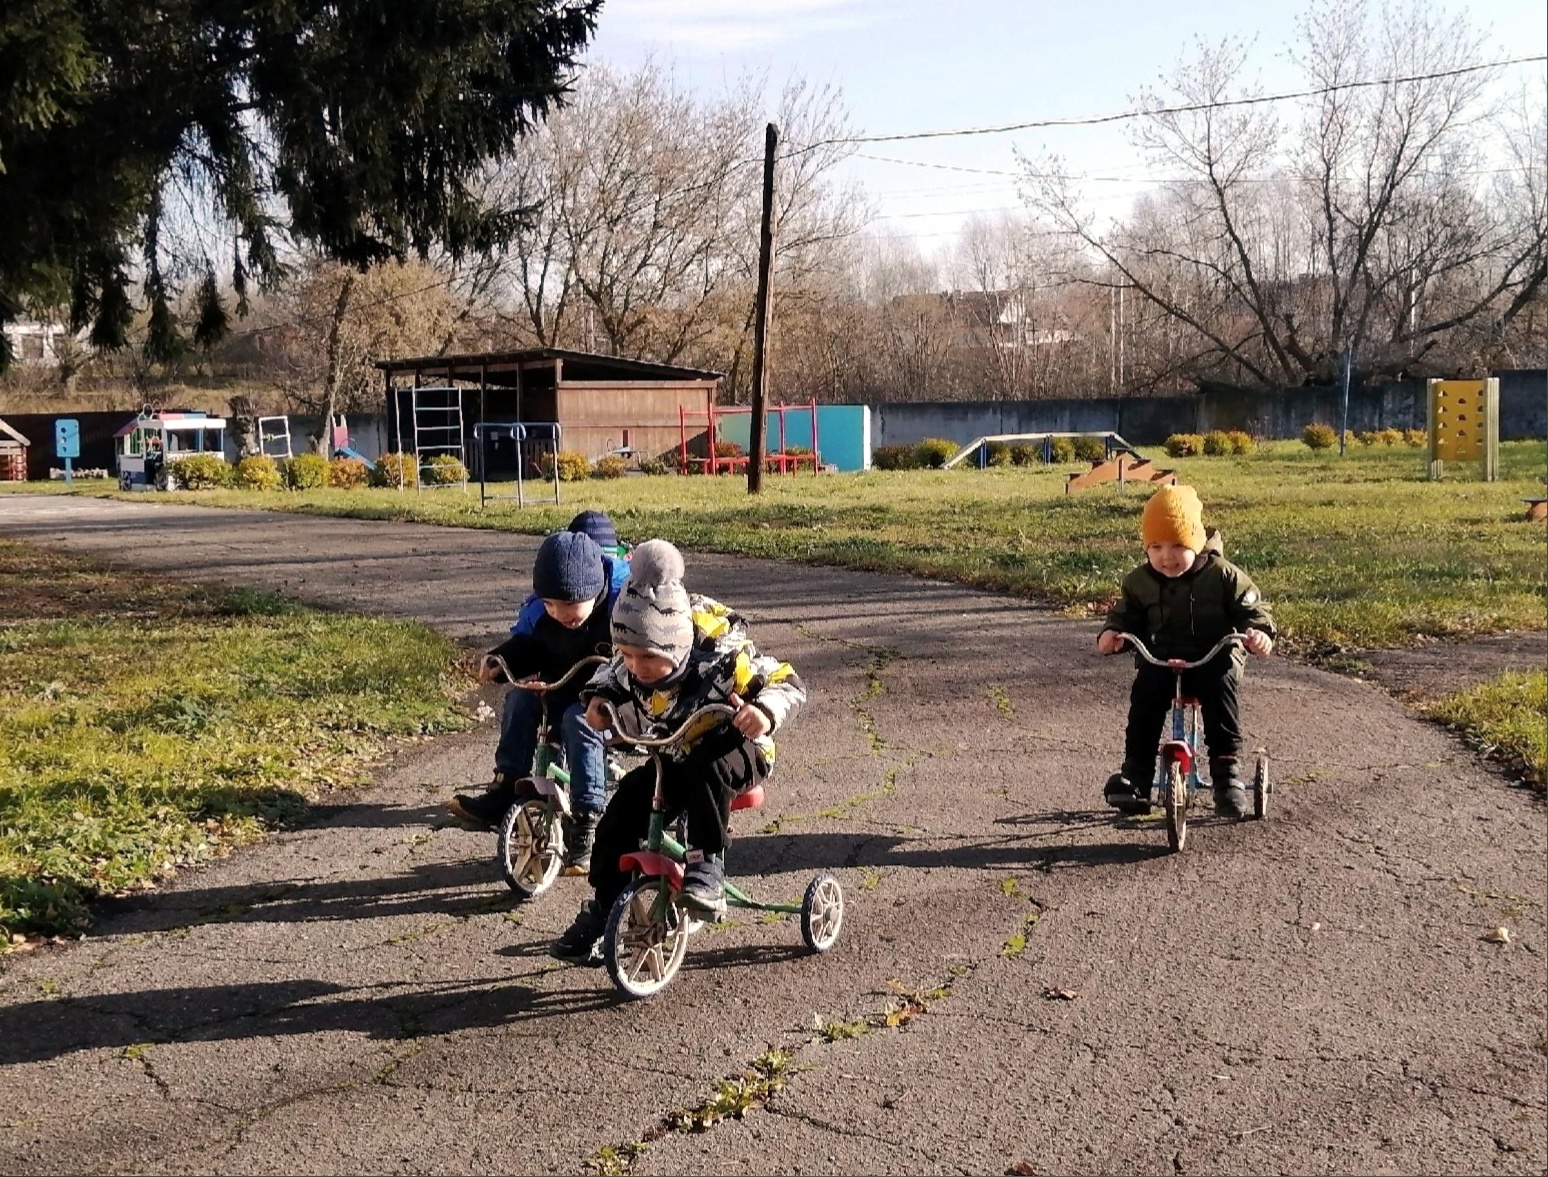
(749, 720)
(596, 718)
(1109, 641)
(1258, 642)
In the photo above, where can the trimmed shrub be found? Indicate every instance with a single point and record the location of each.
(1061, 450)
(1216, 443)
(894, 457)
(395, 471)
(727, 449)
(934, 452)
(348, 473)
(1415, 438)
(1240, 441)
(306, 472)
(1090, 449)
(574, 466)
(1022, 454)
(609, 466)
(443, 470)
(997, 453)
(257, 472)
(1318, 436)
(1184, 445)
(200, 472)
(655, 466)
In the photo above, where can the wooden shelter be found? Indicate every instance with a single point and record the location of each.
(13, 454)
(602, 404)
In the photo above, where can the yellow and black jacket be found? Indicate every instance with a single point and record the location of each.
(723, 661)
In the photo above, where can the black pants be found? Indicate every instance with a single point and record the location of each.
(1213, 685)
(703, 785)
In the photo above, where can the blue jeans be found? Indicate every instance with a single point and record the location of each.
(585, 754)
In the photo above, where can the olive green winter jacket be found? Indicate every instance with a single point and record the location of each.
(1182, 617)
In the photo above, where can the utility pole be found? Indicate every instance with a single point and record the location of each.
(757, 442)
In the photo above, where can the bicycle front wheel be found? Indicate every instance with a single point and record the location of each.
(1176, 803)
(646, 938)
(530, 847)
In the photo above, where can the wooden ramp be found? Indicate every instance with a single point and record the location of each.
(1121, 469)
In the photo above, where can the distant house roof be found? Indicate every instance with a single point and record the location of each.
(505, 367)
(172, 420)
(9, 432)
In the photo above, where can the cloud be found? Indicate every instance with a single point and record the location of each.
(728, 24)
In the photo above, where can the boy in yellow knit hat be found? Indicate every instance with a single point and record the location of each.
(1183, 599)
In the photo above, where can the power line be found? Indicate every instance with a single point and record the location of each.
(1122, 116)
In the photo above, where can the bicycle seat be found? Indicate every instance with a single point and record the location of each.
(748, 799)
(1186, 701)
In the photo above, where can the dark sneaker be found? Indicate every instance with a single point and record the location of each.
(582, 940)
(1119, 792)
(486, 808)
(577, 840)
(704, 888)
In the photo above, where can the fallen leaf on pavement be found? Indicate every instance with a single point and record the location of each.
(1498, 936)
(1054, 993)
(1021, 1169)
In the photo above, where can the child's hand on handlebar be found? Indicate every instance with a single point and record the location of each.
(1109, 641)
(596, 714)
(749, 720)
(489, 670)
(1258, 642)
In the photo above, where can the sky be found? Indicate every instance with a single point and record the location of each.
(921, 65)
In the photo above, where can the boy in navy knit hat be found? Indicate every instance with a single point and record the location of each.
(677, 651)
(567, 618)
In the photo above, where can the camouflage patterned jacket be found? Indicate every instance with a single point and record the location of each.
(723, 661)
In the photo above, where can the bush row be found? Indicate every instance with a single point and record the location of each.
(311, 472)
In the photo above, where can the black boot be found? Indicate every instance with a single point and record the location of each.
(488, 807)
(1231, 798)
(578, 838)
(1128, 791)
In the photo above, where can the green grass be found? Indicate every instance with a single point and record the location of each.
(1506, 719)
(147, 724)
(1352, 552)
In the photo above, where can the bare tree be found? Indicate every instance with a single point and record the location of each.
(340, 321)
(1366, 227)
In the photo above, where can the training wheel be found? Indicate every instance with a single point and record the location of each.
(1261, 788)
(530, 847)
(822, 912)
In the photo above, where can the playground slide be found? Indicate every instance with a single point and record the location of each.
(345, 451)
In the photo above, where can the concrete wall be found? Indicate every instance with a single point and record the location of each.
(1149, 420)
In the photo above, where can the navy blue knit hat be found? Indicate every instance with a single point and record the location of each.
(569, 568)
(598, 526)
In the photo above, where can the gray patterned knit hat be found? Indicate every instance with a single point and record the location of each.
(652, 612)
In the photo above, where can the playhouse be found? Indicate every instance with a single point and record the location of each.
(13, 454)
(149, 447)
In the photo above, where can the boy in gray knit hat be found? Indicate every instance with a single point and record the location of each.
(674, 652)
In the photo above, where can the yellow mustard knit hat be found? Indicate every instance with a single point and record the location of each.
(1174, 515)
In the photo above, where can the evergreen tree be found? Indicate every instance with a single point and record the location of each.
(353, 126)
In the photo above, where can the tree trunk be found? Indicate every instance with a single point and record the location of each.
(335, 363)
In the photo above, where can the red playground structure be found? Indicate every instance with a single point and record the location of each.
(776, 461)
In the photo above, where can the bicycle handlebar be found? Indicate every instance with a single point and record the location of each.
(532, 684)
(1230, 639)
(723, 709)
